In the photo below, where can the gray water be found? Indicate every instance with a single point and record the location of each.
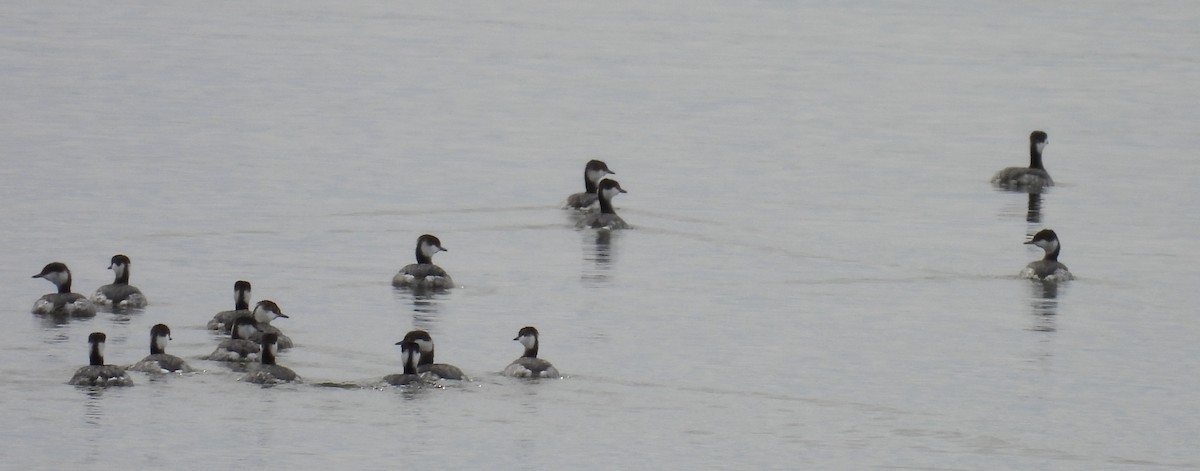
(819, 277)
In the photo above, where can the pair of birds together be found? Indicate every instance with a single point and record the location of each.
(1034, 179)
(597, 190)
(65, 303)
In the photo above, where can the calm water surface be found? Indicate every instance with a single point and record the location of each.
(820, 276)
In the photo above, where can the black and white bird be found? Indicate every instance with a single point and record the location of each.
(1034, 177)
(409, 354)
(120, 293)
(64, 302)
(424, 274)
(592, 173)
(97, 373)
(223, 320)
(607, 217)
(529, 365)
(238, 347)
(267, 372)
(425, 363)
(159, 361)
(265, 312)
(1048, 268)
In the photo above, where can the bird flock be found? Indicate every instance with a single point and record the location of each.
(253, 343)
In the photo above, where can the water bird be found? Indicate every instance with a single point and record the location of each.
(159, 361)
(268, 372)
(265, 312)
(1033, 177)
(238, 347)
(607, 217)
(1048, 268)
(120, 293)
(424, 274)
(529, 365)
(223, 320)
(425, 363)
(409, 352)
(592, 173)
(97, 373)
(64, 302)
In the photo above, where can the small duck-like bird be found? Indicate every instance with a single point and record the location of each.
(238, 347)
(268, 372)
(64, 302)
(592, 173)
(265, 312)
(120, 293)
(159, 361)
(607, 217)
(1034, 177)
(425, 363)
(409, 351)
(529, 365)
(97, 373)
(223, 320)
(424, 274)
(1048, 268)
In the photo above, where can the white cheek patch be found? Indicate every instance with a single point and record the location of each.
(100, 348)
(1049, 245)
(1042, 145)
(119, 270)
(57, 277)
(425, 345)
(242, 296)
(161, 342)
(528, 341)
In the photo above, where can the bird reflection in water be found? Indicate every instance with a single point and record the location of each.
(1044, 304)
(425, 305)
(597, 249)
(1033, 213)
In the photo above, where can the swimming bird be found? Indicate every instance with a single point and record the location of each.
(1033, 177)
(238, 347)
(409, 351)
(97, 373)
(241, 308)
(1048, 268)
(607, 218)
(268, 372)
(120, 293)
(265, 312)
(529, 365)
(592, 173)
(424, 274)
(64, 302)
(425, 363)
(159, 361)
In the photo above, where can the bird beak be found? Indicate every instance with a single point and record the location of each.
(517, 337)
(37, 276)
(1028, 242)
